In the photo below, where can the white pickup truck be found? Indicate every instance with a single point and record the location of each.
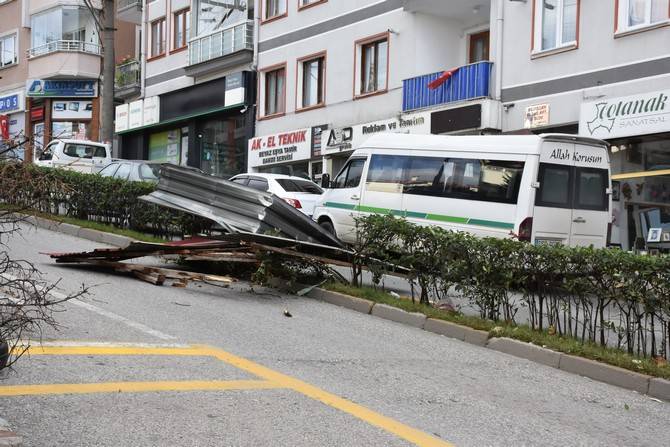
(76, 155)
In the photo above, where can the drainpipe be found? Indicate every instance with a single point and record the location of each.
(142, 55)
(500, 21)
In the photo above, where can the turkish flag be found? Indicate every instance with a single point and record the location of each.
(4, 127)
(444, 77)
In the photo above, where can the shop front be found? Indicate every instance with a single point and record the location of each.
(62, 109)
(286, 153)
(337, 144)
(205, 126)
(12, 124)
(638, 129)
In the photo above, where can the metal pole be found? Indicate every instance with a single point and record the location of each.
(107, 124)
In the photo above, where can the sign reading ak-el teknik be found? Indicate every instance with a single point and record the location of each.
(62, 88)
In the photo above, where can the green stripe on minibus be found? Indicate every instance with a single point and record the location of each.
(427, 216)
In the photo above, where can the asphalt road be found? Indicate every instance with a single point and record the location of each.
(140, 365)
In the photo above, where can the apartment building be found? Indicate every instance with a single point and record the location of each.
(50, 71)
(600, 69)
(192, 104)
(332, 73)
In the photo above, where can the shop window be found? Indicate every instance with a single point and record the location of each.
(555, 24)
(71, 129)
(8, 50)
(274, 8)
(634, 14)
(275, 91)
(312, 72)
(373, 66)
(181, 21)
(222, 145)
(157, 38)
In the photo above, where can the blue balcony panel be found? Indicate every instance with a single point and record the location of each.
(468, 82)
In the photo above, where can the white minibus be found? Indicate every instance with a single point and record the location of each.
(545, 189)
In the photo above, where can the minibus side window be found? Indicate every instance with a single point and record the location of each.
(555, 186)
(591, 189)
(386, 168)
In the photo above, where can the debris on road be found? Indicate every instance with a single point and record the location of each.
(236, 208)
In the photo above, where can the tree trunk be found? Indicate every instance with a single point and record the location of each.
(108, 66)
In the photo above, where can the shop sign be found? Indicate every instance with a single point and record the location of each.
(536, 116)
(135, 110)
(61, 88)
(72, 110)
(626, 116)
(121, 118)
(37, 114)
(349, 138)
(11, 103)
(282, 147)
(151, 112)
(234, 90)
(318, 134)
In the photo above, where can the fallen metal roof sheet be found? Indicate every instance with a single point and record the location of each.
(235, 207)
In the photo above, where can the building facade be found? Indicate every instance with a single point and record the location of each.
(50, 72)
(193, 104)
(332, 73)
(600, 69)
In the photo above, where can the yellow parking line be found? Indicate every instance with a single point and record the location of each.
(112, 350)
(136, 387)
(399, 429)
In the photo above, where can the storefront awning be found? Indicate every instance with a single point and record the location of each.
(181, 118)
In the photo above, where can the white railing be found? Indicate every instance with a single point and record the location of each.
(65, 45)
(221, 43)
(127, 75)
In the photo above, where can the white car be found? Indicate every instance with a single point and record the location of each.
(76, 155)
(296, 191)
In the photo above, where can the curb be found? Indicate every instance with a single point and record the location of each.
(7, 437)
(602, 372)
(115, 240)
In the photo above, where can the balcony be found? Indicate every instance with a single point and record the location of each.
(467, 83)
(129, 11)
(127, 78)
(221, 49)
(64, 58)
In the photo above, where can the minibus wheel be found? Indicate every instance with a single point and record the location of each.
(328, 226)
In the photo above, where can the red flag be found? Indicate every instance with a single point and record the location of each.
(442, 79)
(4, 127)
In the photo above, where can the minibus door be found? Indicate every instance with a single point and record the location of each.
(344, 198)
(383, 189)
(590, 213)
(552, 214)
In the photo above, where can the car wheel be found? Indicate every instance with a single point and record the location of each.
(328, 226)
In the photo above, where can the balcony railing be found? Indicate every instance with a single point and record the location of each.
(468, 82)
(127, 75)
(221, 43)
(65, 45)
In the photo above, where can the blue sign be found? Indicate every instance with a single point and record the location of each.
(62, 88)
(9, 103)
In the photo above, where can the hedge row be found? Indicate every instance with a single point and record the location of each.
(92, 197)
(609, 297)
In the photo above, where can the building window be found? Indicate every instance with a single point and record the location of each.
(72, 26)
(157, 37)
(213, 15)
(181, 22)
(305, 3)
(635, 14)
(274, 8)
(313, 79)
(8, 54)
(275, 91)
(374, 66)
(555, 24)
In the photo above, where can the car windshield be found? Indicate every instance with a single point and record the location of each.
(291, 185)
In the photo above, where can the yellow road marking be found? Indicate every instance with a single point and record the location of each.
(399, 429)
(135, 387)
(112, 350)
(272, 380)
